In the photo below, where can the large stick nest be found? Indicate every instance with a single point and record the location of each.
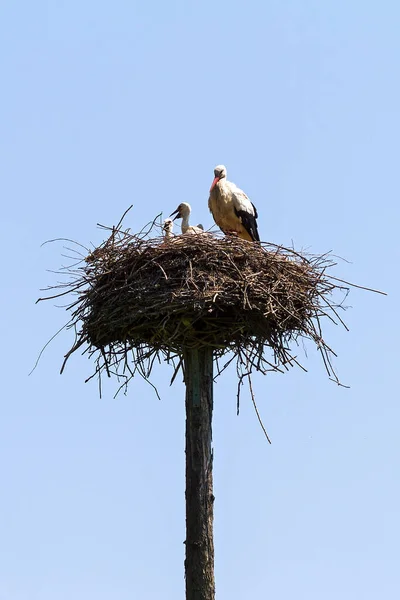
(198, 290)
(142, 297)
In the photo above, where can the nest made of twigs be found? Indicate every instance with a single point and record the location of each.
(197, 290)
(141, 297)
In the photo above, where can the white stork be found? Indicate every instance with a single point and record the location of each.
(167, 227)
(183, 212)
(232, 210)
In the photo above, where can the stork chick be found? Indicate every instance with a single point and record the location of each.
(232, 210)
(183, 212)
(167, 227)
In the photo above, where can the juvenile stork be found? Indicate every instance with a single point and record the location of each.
(183, 212)
(167, 227)
(232, 210)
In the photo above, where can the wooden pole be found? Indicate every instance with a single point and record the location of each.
(199, 563)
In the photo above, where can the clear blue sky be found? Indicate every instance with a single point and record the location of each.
(105, 104)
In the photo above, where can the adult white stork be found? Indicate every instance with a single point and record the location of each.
(232, 210)
(183, 212)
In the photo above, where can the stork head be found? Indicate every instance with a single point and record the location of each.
(168, 226)
(183, 210)
(219, 173)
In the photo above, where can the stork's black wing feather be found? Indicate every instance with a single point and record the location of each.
(249, 222)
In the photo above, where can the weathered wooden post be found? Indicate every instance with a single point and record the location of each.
(199, 563)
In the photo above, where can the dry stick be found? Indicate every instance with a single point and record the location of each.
(248, 375)
(69, 291)
(65, 240)
(45, 346)
(256, 409)
(176, 371)
(77, 345)
(361, 287)
(240, 383)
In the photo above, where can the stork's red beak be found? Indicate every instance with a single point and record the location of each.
(214, 183)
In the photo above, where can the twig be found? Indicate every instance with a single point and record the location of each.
(256, 409)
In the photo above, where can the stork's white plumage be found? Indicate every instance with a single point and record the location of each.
(183, 212)
(232, 210)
